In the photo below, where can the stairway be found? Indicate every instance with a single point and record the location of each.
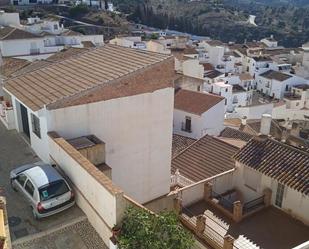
(244, 243)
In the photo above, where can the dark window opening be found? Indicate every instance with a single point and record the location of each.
(36, 129)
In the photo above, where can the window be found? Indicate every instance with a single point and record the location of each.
(54, 189)
(279, 195)
(186, 126)
(21, 179)
(36, 125)
(199, 88)
(29, 188)
(55, 26)
(297, 103)
(252, 178)
(225, 101)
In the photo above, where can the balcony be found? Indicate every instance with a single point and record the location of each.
(177, 180)
(7, 115)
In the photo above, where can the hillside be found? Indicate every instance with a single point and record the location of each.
(226, 20)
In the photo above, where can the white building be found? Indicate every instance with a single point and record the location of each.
(295, 104)
(30, 2)
(234, 94)
(257, 65)
(9, 19)
(260, 165)
(51, 26)
(157, 47)
(197, 114)
(270, 42)
(129, 42)
(124, 101)
(276, 84)
(21, 44)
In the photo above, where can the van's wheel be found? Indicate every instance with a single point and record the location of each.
(35, 216)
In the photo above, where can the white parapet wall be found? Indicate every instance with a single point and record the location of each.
(102, 202)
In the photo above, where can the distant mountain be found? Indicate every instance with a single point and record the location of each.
(226, 20)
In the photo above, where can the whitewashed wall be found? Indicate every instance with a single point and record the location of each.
(137, 131)
(96, 201)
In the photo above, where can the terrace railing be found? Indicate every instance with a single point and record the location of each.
(253, 204)
(224, 201)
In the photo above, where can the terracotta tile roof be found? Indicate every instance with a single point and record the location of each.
(208, 67)
(245, 76)
(236, 142)
(66, 53)
(236, 134)
(190, 51)
(10, 33)
(282, 162)
(80, 79)
(255, 125)
(215, 43)
(31, 67)
(180, 143)
(88, 44)
(11, 65)
(271, 74)
(206, 157)
(235, 122)
(195, 102)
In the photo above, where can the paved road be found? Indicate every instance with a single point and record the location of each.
(13, 152)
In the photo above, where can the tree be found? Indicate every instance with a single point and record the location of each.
(142, 230)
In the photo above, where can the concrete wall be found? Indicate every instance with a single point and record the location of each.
(137, 131)
(193, 68)
(9, 19)
(196, 124)
(254, 112)
(95, 194)
(192, 194)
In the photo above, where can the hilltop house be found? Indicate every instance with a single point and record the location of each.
(197, 114)
(122, 100)
(270, 42)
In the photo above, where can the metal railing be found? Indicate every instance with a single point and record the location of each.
(253, 204)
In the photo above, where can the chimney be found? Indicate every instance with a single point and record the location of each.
(244, 120)
(265, 124)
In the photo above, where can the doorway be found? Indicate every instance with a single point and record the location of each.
(25, 120)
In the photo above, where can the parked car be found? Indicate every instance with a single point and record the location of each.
(46, 191)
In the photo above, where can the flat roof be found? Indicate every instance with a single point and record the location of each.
(87, 72)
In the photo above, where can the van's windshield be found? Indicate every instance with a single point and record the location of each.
(53, 189)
